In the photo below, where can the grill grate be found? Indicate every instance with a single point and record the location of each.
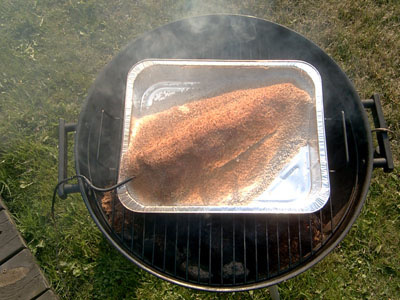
(220, 250)
(227, 250)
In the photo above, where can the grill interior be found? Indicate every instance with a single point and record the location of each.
(228, 250)
(210, 250)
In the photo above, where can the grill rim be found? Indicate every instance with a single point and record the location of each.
(342, 229)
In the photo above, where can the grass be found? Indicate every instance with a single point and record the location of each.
(51, 52)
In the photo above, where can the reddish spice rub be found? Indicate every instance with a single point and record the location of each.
(110, 202)
(215, 151)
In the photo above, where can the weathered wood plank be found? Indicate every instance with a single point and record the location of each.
(2, 205)
(10, 240)
(49, 295)
(21, 278)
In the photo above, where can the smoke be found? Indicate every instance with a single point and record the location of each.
(212, 37)
(196, 7)
(190, 8)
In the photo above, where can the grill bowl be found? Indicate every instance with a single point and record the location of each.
(234, 252)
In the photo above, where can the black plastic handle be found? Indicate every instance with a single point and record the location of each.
(382, 159)
(63, 129)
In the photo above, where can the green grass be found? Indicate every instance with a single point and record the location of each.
(51, 52)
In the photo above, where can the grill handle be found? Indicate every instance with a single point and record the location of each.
(63, 129)
(382, 158)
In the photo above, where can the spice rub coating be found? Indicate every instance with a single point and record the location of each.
(215, 151)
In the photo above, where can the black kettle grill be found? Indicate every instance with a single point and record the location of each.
(232, 252)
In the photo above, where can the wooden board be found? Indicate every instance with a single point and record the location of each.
(21, 278)
(2, 205)
(10, 240)
(49, 295)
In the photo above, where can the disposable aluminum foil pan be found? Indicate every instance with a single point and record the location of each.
(295, 180)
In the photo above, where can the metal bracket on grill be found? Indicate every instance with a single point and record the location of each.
(383, 159)
(63, 130)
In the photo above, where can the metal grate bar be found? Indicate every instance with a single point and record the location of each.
(176, 245)
(187, 246)
(117, 153)
(165, 243)
(234, 249)
(100, 133)
(123, 224)
(112, 213)
(267, 244)
(289, 242)
(345, 138)
(300, 248)
(143, 236)
(222, 251)
(132, 231)
(99, 161)
(88, 154)
(331, 212)
(255, 247)
(210, 251)
(244, 250)
(154, 240)
(321, 228)
(278, 246)
(199, 263)
(311, 234)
